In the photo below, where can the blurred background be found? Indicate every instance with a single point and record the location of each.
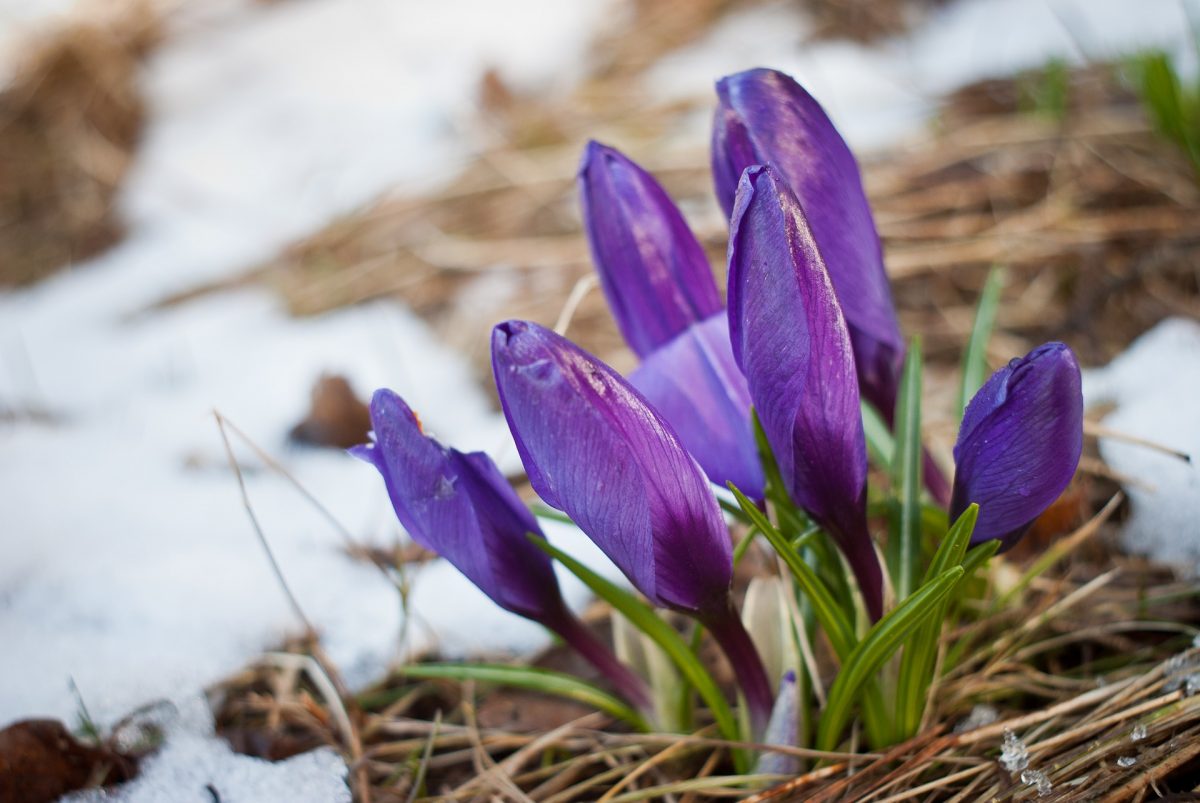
(269, 208)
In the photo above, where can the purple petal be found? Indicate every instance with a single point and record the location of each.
(1019, 443)
(765, 117)
(460, 507)
(653, 270)
(790, 339)
(696, 385)
(594, 448)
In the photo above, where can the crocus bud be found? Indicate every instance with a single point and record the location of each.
(765, 117)
(790, 339)
(1019, 443)
(653, 270)
(662, 293)
(696, 385)
(594, 448)
(461, 507)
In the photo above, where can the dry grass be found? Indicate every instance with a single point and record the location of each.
(69, 123)
(1091, 665)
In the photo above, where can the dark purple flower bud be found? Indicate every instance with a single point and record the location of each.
(1019, 443)
(653, 271)
(765, 117)
(790, 339)
(461, 507)
(696, 385)
(594, 448)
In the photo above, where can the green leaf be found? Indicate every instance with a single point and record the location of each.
(775, 490)
(904, 547)
(535, 679)
(879, 438)
(920, 652)
(974, 364)
(645, 619)
(877, 647)
(543, 511)
(833, 621)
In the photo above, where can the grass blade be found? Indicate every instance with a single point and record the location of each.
(916, 665)
(645, 619)
(877, 647)
(534, 679)
(880, 444)
(974, 364)
(832, 619)
(904, 547)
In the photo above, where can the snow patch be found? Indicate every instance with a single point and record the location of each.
(1154, 386)
(194, 766)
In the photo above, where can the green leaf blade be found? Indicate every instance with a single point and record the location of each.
(534, 679)
(974, 363)
(876, 648)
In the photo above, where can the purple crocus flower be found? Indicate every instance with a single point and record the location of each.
(662, 293)
(594, 448)
(461, 507)
(1019, 443)
(765, 117)
(653, 270)
(791, 341)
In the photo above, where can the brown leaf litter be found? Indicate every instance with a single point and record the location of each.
(70, 120)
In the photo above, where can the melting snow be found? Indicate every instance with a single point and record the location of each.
(1154, 386)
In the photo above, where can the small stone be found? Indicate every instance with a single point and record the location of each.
(1126, 761)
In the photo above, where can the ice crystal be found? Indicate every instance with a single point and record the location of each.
(1138, 733)
(1037, 779)
(980, 716)
(1126, 761)
(1013, 755)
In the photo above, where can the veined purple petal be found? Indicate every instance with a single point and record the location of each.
(594, 448)
(765, 117)
(1019, 443)
(790, 339)
(653, 270)
(696, 385)
(459, 506)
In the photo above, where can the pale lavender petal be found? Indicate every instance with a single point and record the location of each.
(790, 339)
(696, 385)
(1019, 443)
(653, 270)
(594, 448)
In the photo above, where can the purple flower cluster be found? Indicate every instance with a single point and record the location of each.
(809, 327)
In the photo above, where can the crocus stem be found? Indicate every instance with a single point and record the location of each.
(935, 480)
(581, 639)
(726, 627)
